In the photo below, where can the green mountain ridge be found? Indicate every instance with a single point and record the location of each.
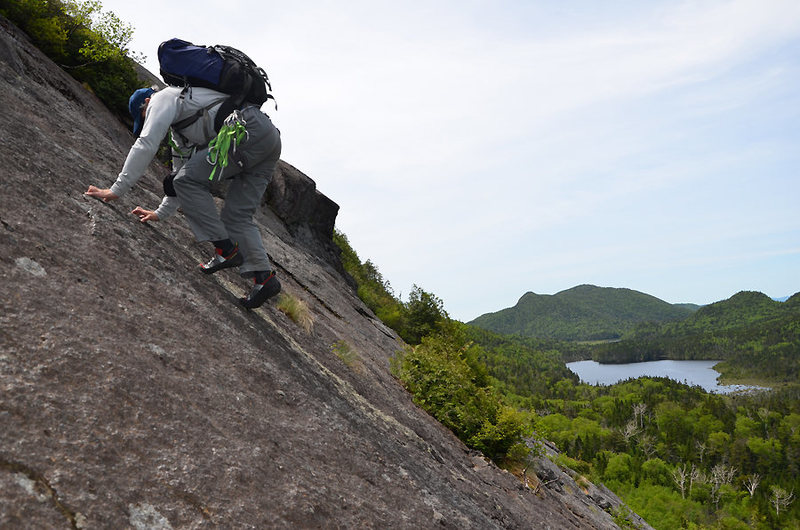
(584, 312)
(753, 334)
(742, 311)
(743, 307)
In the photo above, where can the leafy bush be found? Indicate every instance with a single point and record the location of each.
(565, 462)
(664, 508)
(91, 45)
(423, 314)
(621, 516)
(443, 378)
(656, 471)
(619, 468)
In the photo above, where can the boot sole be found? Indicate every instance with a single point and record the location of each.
(267, 291)
(235, 261)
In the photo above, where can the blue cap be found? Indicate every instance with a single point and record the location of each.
(135, 107)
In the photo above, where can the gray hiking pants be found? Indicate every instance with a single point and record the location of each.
(248, 172)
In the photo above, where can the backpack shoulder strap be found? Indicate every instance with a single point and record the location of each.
(182, 124)
(178, 126)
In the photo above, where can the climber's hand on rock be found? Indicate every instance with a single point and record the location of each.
(101, 193)
(144, 215)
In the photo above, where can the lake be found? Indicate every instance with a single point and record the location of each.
(700, 373)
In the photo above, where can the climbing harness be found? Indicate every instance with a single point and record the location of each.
(231, 134)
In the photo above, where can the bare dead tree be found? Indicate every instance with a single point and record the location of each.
(639, 410)
(781, 498)
(701, 449)
(536, 448)
(679, 475)
(525, 474)
(751, 483)
(721, 474)
(695, 476)
(728, 472)
(629, 431)
(763, 415)
(647, 443)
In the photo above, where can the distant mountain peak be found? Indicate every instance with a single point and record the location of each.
(583, 312)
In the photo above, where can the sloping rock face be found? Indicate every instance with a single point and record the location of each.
(135, 393)
(592, 501)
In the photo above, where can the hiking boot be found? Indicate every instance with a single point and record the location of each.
(261, 292)
(219, 262)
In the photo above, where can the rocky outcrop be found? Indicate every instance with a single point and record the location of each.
(307, 214)
(135, 393)
(592, 502)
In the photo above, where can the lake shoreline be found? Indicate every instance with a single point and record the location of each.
(691, 372)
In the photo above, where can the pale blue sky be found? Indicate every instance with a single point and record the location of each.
(485, 149)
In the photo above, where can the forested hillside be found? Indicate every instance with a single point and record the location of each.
(585, 312)
(680, 457)
(755, 336)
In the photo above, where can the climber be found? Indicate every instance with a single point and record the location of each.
(247, 142)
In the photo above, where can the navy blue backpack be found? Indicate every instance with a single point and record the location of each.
(221, 68)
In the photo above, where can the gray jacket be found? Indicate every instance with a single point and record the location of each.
(167, 107)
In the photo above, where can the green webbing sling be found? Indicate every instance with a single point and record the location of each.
(176, 151)
(229, 137)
